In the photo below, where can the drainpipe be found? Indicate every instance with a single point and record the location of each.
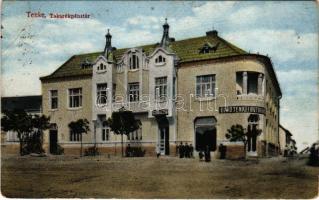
(278, 121)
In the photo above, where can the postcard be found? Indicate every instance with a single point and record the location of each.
(159, 99)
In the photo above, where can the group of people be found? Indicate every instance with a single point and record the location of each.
(185, 151)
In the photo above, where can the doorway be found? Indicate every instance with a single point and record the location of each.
(53, 141)
(163, 135)
(205, 133)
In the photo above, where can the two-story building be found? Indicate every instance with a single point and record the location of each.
(189, 91)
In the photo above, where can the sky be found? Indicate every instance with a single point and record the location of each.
(285, 31)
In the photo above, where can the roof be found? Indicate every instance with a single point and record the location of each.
(187, 50)
(27, 103)
(287, 131)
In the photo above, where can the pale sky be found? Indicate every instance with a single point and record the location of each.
(285, 31)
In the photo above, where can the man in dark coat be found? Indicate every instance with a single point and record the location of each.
(191, 150)
(181, 150)
(186, 150)
(207, 154)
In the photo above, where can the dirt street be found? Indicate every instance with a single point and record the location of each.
(148, 177)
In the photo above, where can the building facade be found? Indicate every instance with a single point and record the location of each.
(190, 91)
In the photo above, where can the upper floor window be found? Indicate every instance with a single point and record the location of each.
(101, 93)
(75, 97)
(205, 86)
(134, 92)
(249, 83)
(54, 99)
(134, 62)
(101, 67)
(161, 88)
(160, 59)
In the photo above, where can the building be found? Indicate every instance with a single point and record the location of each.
(31, 105)
(188, 91)
(287, 143)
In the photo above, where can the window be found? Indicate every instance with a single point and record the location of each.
(252, 83)
(160, 59)
(205, 86)
(134, 62)
(75, 97)
(74, 137)
(101, 93)
(102, 67)
(134, 92)
(135, 135)
(239, 83)
(54, 99)
(105, 132)
(161, 88)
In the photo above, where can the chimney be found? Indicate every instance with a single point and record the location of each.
(165, 39)
(213, 33)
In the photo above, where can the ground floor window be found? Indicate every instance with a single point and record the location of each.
(135, 135)
(105, 134)
(205, 133)
(74, 137)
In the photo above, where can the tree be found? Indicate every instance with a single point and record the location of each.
(17, 121)
(39, 124)
(238, 133)
(122, 123)
(29, 129)
(79, 127)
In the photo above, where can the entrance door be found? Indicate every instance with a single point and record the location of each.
(205, 134)
(164, 140)
(53, 141)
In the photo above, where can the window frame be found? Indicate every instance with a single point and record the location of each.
(74, 137)
(134, 63)
(54, 97)
(160, 60)
(136, 95)
(99, 91)
(163, 94)
(211, 82)
(105, 133)
(101, 67)
(72, 96)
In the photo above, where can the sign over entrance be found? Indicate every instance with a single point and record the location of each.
(242, 109)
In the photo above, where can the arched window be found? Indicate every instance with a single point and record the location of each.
(160, 59)
(134, 62)
(101, 67)
(205, 133)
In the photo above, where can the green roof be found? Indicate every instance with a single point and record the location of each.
(187, 50)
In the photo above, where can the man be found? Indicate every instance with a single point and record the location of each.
(158, 152)
(187, 152)
(191, 150)
(128, 151)
(207, 154)
(181, 150)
